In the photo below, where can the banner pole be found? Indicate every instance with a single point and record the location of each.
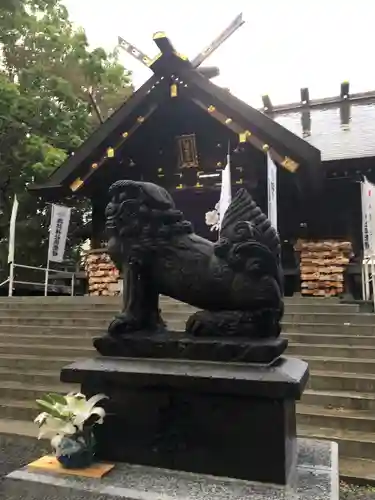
(46, 277)
(11, 279)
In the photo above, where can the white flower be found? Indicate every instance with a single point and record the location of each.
(83, 409)
(41, 418)
(66, 415)
(55, 441)
(212, 218)
(52, 427)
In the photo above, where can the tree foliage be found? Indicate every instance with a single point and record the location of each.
(46, 71)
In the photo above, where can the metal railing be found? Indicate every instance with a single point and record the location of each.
(12, 281)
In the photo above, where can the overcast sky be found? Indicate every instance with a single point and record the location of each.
(283, 46)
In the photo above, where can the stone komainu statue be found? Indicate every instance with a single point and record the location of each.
(236, 283)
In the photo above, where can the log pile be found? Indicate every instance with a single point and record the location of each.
(102, 274)
(322, 266)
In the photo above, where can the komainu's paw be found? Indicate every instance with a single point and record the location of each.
(248, 324)
(124, 323)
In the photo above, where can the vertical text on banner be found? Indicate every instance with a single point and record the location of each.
(60, 219)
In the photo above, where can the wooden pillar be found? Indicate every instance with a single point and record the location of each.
(98, 204)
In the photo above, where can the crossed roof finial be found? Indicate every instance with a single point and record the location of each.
(165, 46)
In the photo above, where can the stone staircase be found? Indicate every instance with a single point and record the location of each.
(38, 336)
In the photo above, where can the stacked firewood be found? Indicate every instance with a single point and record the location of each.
(102, 274)
(322, 266)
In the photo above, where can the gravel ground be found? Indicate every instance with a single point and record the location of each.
(350, 492)
(16, 452)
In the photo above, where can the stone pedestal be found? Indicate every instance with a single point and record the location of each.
(224, 419)
(316, 478)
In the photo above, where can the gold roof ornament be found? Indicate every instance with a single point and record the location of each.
(174, 90)
(75, 185)
(289, 164)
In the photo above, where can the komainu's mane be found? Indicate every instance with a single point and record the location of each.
(143, 214)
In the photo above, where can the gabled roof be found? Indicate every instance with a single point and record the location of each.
(341, 129)
(175, 76)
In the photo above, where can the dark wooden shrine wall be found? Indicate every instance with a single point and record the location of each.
(152, 155)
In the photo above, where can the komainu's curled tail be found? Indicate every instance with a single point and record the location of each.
(248, 242)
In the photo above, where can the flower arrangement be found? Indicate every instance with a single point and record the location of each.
(68, 422)
(213, 218)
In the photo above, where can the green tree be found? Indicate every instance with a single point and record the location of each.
(45, 109)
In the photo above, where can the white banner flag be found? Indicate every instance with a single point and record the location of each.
(60, 219)
(368, 217)
(226, 190)
(272, 191)
(12, 231)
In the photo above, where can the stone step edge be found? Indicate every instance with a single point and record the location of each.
(360, 471)
(324, 433)
(319, 411)
(284, 323)
(89, 333)
(302, 409)
(61, 388)
(22, 428)
(45, 345)
(306, 431)
(343, 394)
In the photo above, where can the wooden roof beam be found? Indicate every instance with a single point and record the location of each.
(344, 90)
(164, 44)
(305, 96)
(267, 104)
(209, 71)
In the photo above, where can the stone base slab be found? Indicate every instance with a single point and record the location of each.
(316, 478)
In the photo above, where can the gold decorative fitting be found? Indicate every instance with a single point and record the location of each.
(244, 135)
(174, 90)
(180, 186)
(289, 164)
(265, 147)
(125, 135)
(159, 34)
(76, 184)
(228, 121)
(110, 153)
(140, 119)
(182, 56)
(160, 170)
(219, 164)
(240, 181)
(211, 108)
(94, 166)
(187, 151)
(198, 185)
